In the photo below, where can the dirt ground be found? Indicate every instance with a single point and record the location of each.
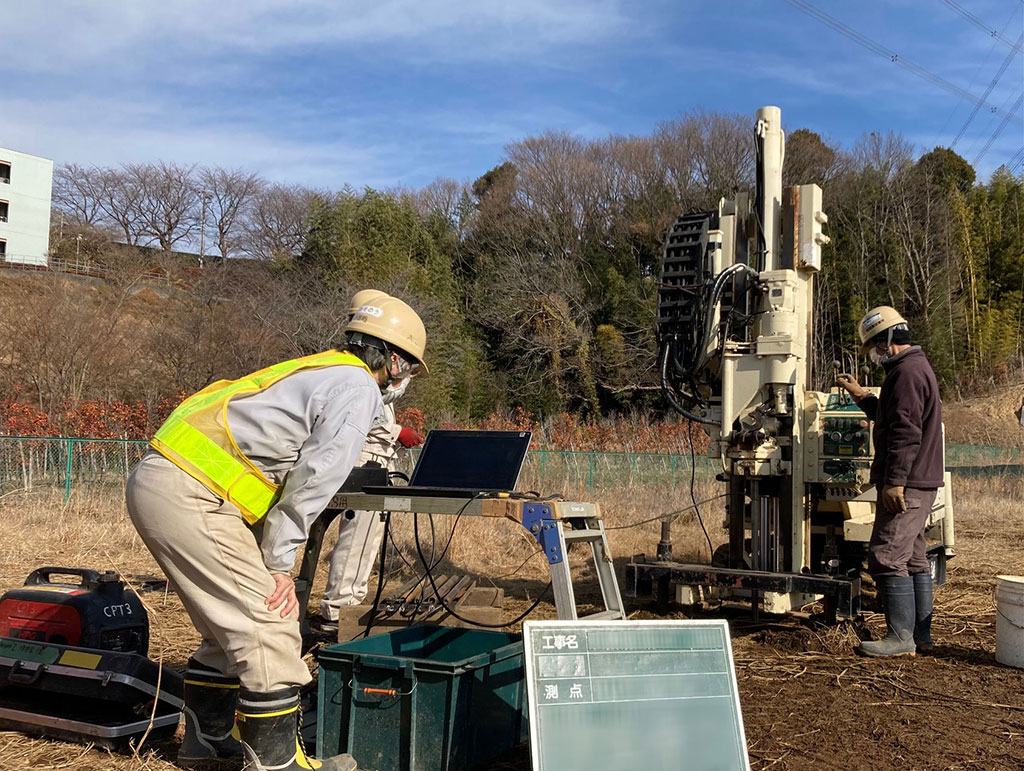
(808, 701)
(987, 420)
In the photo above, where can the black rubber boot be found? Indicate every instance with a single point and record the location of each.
(898, 600)
(268, 725)
(210, 701)
(923, 616)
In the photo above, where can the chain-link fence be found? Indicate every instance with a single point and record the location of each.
(71, 464)
(65, 463)
(977, 455)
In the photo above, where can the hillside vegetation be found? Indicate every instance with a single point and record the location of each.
(537, 281)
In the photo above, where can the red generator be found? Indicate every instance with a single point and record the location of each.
(97, 612)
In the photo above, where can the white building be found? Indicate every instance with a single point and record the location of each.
(26, 183)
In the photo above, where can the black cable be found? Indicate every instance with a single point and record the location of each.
(666, 515)
(433, 539)
(892, 56)
(451, 535)
(391, 536)
(999, 129)
(514, 572)
(530, 495)
(693, 496)
(715, 297)
(991, 32)
(759, 195)
(444, 603)
(434, 563)
(992, 84)
(666, 391)
(433, 550)
(380, 576)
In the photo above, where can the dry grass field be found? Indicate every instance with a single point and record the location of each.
(808, 701)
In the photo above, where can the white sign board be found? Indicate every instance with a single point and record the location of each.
(632, 695)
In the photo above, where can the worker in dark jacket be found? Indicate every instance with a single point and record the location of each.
(907, 472)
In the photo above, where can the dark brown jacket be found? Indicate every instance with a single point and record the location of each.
(908, 424)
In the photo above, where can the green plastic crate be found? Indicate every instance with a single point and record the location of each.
(458, 698)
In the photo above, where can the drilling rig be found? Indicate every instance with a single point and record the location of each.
(735, 350)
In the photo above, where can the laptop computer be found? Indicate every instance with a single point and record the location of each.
(463, 464)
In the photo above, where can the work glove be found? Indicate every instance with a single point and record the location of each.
(409, 437)
(892, 499)
(850, 384)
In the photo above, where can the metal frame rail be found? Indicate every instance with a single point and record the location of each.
(842, 595)
(555, 525)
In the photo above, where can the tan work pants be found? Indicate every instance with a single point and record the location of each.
(212, 560)
(354, 553)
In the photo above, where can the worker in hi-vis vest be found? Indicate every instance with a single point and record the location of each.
(268, 450)
(360, 532)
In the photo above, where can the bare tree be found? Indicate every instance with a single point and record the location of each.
(121, 198)
(276, 224)
(232, 193)
(645, 206)
(65, 344)
(706, 156)
(534, 216)
(724, 155)
(168, 202)
(809, 160)
(675, 145)
(78, 193)
(559, 186)
(446, 198)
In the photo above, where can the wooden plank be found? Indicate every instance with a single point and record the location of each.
(482, 604)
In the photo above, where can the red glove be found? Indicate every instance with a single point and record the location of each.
(409, 437)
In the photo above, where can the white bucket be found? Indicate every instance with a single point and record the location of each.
(1010, 620)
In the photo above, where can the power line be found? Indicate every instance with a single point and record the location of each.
(999, 73)
(1015, 48)
(977, 72)
(894, 57)
(1015, 161)
(979, 141)
(982, 26)
(999, 129)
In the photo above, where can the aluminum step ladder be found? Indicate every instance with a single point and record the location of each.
(557, 526)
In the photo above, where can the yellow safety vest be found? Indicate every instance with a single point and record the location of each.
(197, 439)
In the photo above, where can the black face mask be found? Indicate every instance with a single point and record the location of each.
(883, 342)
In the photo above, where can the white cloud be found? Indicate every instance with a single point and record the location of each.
(61, 34)
(108, 132)
(245, 82)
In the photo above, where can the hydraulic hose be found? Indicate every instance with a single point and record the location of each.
(666, 391)
(715, 296)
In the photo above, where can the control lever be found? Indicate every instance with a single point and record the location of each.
(844, 397)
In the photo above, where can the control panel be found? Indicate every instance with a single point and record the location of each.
(839, 438)
(844, 434)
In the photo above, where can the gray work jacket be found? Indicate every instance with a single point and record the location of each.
(304, 432)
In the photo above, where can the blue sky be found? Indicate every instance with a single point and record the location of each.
(398, 92)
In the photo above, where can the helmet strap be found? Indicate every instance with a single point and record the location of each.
(405, 368)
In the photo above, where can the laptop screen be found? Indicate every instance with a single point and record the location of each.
(480, 460)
